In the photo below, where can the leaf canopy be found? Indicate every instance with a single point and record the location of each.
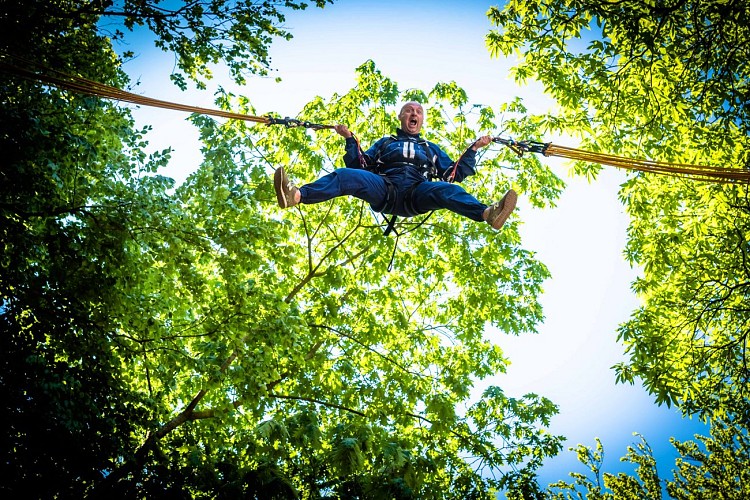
(194, 341)
(666, 81)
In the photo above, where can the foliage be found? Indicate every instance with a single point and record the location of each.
(202, 33)
(192, 341)
(716, 467)
(347, 379)
(666, 81)
(654, 63)
(71, 178)
(605, 486)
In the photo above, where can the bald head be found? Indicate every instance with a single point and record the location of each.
(411, 117)
(411, 103)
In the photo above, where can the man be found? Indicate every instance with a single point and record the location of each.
(393, 176)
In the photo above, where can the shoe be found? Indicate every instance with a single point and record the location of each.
(285, 190)
(500, 211)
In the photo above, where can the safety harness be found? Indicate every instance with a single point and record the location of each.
(376, 165)
(427, 169)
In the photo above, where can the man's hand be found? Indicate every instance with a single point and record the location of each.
(342, 130)
(482, 142)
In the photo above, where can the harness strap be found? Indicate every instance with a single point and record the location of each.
(391, 227)
(390, 196)
(390, 202)
(409, 200)
(429, 171)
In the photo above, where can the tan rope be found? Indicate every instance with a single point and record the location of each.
(90, 87)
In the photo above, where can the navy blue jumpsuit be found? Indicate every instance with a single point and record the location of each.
(401, 162)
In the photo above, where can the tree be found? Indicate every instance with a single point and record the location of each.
(667, 81)
(716, 467)
(189, 342)
(713, 466)
(605, 486)
(345, 378)
(199, 33)
(71, 175)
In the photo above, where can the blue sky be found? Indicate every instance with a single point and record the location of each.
(417, 44)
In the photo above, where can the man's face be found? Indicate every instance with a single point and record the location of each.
(411, 116)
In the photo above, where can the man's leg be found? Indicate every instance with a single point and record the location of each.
(437, 195)
(361, 184)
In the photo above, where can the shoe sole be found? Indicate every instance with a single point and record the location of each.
(279, 180)
(509, 204)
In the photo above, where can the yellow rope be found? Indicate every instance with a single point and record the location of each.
(90, 87)
(697, 172)
(700, 172)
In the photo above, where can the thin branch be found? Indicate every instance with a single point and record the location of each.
(317, 401)
(360, 343)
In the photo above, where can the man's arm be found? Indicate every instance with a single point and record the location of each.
(351, 148)
(351, 155)
(466, 164)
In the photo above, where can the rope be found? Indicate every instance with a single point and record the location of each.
(90, 87)
(697, 172)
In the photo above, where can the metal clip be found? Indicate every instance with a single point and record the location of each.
(293, 123)
(521, 147)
